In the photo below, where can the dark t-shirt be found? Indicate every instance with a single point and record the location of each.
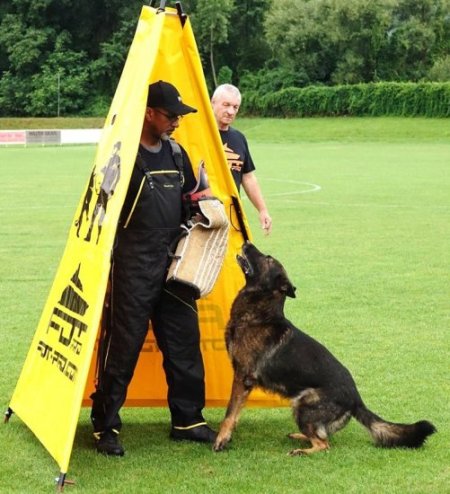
(237, 154)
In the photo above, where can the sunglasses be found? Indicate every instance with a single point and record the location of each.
(171, 117)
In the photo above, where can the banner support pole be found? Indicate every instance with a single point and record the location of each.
(181, 14)
(240, 218)
(8, 414)
(162, 6)
(61, 481)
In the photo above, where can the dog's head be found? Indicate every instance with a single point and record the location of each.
(264, 272)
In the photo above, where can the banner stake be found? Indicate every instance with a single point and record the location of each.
(61, 481)
(8, 414)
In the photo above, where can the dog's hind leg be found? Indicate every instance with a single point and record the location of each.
(239, 394)
(298, 435)
(317, 444)
(316, 415)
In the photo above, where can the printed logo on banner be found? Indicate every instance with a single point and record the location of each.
(66, 329)
(210, 314)
(101, 188)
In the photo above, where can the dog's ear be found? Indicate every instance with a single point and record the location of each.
(288, 288)
(285, 286)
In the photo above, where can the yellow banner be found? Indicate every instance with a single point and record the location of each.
(59, 369)
(179, 63)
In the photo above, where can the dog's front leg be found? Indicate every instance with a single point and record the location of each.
(239, 393)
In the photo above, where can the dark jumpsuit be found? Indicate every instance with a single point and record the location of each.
(149, 223)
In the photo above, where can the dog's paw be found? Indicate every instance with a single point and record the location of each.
(221, 443)
(297, 452)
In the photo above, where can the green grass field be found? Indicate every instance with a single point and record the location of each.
(361, 211)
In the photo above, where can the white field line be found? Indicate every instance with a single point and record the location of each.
(369, 205)
(306, 188)
(302, 188)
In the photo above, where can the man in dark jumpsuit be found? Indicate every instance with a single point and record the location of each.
(150, 221)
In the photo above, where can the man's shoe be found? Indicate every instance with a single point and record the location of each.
(200, 433)
(108, 443)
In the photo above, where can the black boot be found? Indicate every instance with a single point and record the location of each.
(198, 432)
(108, 443)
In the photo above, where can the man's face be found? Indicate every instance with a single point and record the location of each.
(160, 121)
(225, 108)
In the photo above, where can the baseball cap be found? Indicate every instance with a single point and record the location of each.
(162, 94)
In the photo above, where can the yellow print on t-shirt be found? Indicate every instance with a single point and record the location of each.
(233, 159)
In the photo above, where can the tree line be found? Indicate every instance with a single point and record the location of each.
(60, 57)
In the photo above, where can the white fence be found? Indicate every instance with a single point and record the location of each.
(49, 137)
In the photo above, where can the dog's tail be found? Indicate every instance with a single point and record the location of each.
(391, 435)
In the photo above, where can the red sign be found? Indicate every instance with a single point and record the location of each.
(12, 137)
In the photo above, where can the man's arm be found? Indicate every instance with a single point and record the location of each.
(253, 191)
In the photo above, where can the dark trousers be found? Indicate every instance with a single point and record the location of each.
(138, 295)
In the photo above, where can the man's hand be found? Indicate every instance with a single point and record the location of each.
(266, 222)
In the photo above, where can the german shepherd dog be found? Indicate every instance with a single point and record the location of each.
(268, 351)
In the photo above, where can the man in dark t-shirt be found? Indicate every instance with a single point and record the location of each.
(226, 101)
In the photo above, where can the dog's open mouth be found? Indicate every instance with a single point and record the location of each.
(244, 264)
